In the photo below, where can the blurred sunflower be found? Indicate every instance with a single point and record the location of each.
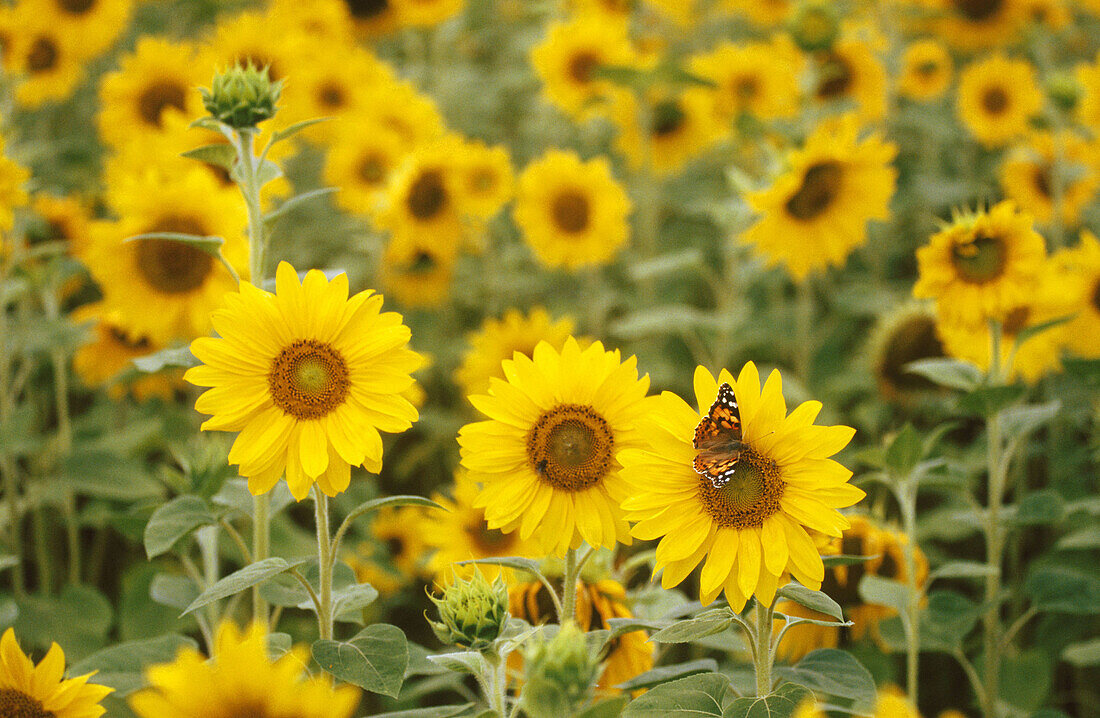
(13, 179)
(976, 24)
(498, 339)
(546, 455)
(400, 108)
(97, 23)
(425, 13)
(619, 10)
(905, 335)
(361, 161)
(816, 212)
(926, 70)
(997, 98)
(417, 276)
(680, 127)
(48, 62)
(109, 356)
(572, 213)
(1087, 111)
(981, 266)
(487, 180)
(257, 38)
(892, 702)
(398, 530)
(325, 20)
(765, 13)
(65, 219)
(755, 78)
(850, 72)
(308, 377)
(753, 530)
(1053, 14)
(371, 18)
(42, 690)
(241, 680)
(367, 569)
(1028, 175)
(1079, 269)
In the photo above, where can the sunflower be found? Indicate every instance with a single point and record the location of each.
(572, 213)
(66, 219)
(487, 180)
(1088, 108)
(981, 266)
(33, 691)
(108, 358)
(158, 77)
(755, 78)
(308, 377)
(371, 18)
(568, 59)
(48, 62)
(397, 531)
(905, 335)
(241, 680)
(417, 276)
(161, 289)
(765, 13)
(817, 211)
(1028, 175)
(800, 640)
(977, 24)
(850, 72)
(752, 530)
(681, 126)
(400, 108)
(546, 455)
(997, 99)
(1079, 269)
(97, 23)
(1054, 14)
(926, 70)
(892, 702)
(499, 339)
(460, 533)
(326, 20)
(361, 160)
(13, 193)
(257, 38)
(426, 13)
(614, 10)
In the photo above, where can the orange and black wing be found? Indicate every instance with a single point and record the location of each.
(718, 439)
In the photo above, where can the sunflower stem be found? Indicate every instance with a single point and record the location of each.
(908, 504)
(765, 653)
(7, 467)
(60, 367)
(324, 564)
(261, 538)
(994, 538)
(569, 588)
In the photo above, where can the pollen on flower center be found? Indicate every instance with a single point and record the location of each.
(820, 186)
(427, 195)
(981, 260)
(571, 211)
(750, 497)
(172, 267)
(308, 379)
(570, 447)
(978, 9)
(155, 98)
(16, 704)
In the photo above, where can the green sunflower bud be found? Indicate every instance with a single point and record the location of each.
(815, 25)
(242, 96)
(472, 613)
(560, 675)
(1064, 91)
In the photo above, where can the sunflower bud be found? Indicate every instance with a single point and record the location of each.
(560, 675)
(242, 96)
(815, 25)
(1064, 91)
(472, 613)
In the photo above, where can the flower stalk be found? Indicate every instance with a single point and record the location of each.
(997, 468)
(324, 563)
(763, 650)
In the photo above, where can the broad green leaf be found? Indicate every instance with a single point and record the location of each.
(986, 401)
(845, 560)
(122, 666)
(813, 600)
(167, 359)
(883, 592)
(1039, 508)
(348, 603)
(1022, 420)
(268, 172)
(951, 373)
(1064, 589)
(904, 451)
(219, 154)
(436, 712)
(375, 659)
(78, 619)
(1086, 653)
(174, 520)
(623, 626)
(209, 245)
(1028, 332)
(961, 569)
(664, 674)
(246, 577)
(1026, 677)
(694, 628)
(297, 201)
(835, 673)
(107, 475)
(290, 131)
(946, 619)
(470, 662)
(1086, 537)
(174, 591)
(691, 697)
(607, 708)
(781, 703)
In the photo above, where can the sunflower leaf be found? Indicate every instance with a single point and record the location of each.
(1028, 332)
(695, 696)
(247, 577)
(781, 703)
(174, 520)
(813, 600)
(835, 673)
(209, 245)
(297, 201)
(288, 132)
(883, 592)
(166, 358)
(693, 628)
(664, 674)
(375, 659)
(218, 154)
(952, 373)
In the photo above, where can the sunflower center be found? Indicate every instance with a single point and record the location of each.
(364, 9)
(668, 118)
(977, 10)
(836, 78)
(820, 186)
(844, 589)
(1016, 320)
(155, 98)
(995, 100)
(427, 196)
(16, 704)
(750, 497)
(582, 65)
(1043, 175)
(42, 55)
(913, 339)
(173, 267)
(483, 180)
(395, 545)
(928, 69)
(571, 211)
(746, 87)
(570, 447)
(489, 541)
(331, 95)
(1096, 297)
(422, 263)
(372, 169)
(76, 7)
(308, 379)
(981, 260)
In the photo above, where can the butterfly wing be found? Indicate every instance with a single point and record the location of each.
(718, 439)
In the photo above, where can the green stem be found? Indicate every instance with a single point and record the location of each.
(804, 317)
(261, 540)
(569, 588)
(496, 688)
(907, 501)
(994, 537)
(7, 467)
(764, 654)
(324, 562)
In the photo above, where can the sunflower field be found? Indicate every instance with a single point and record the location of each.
(549, 358)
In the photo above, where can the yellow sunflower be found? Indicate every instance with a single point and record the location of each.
(109, 356)
(397, 531)
(487, 181)
(981, 266)
(460, 533)
(42, 690)
(1054, 14)
(1088, 108)
(364, 563)
(905, 335)
(851, 72)
(752, 530)
(400, 108)
(817, 211)
(13, 193)
(572, 213)
(259, 38)
(997, 98)
(308, 377)
(893, 703)
(977, 24)
(326, 20)
(1028, 175)
(361, 160)
(67, 219)
(241, 680)
(97, 23)
(546, 455)
(926, 70)
(1079, 269)
(425, 13)
(417, 276)
(568, 59)
(756, 78)
(681, 126)
(765, 13)
(158, 77)
(499, 339)
(48, 63)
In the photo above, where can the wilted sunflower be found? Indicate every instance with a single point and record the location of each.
(240, 680)
(752, 530)
(997, 98)
(816, 213)
(755, 78)
(417, 276)
(546, 455)
(981, 266)
(1079, 269)
(926, 70)
(109, 355)
(498, 339)
(850, 71)
(41, 691)
(681, 126)
(308, 377)
(572, 213)
(1028, 175)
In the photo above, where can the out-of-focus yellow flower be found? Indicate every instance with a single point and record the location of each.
(756, 78)
(926, 70)
(851, 72)
(1079, 272)
(1028, 175)
(997, 98)
(498, 339)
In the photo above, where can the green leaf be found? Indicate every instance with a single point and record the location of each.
(845, 560)
(122, 666)
(174, 520)
(951, 373)
(436, 712)
(904, 452)
(607, 708)
(1086, 653)
(1026, 677)
(883, 592)
(166, 359)
(219, 154)
(946, 620)
(1039, 508)
(238, 581)
(79, 619)
(375, 659)
(666, 264)
(290, 131)
(404, 500)
(813, 600)
(690, 697)
(664, 674)
(470, 662)
(209, 245)
(174, 591)
(517, 562)
(348, 603)
(835, 673)
(268, 172)
(297, 201)
(1063, 589)
(694, 628)
(782, 703)
(961, 569)
(1086, 537)
(1028, 332)
(986, 401)
(1022, 420)
(107, 475)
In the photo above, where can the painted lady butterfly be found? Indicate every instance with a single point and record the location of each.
(718, 439)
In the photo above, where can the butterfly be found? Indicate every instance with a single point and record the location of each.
(718, 439)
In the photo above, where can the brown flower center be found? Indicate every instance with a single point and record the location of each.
(836, 78)
(308, 379)
(1016, 320)
(16, 704)
(372, 169)
(330, 95)
(76, 7)
(43, 55)
(913, 339)
(981, 260)
(582, 65)
(1096, 297)
(571, 211)
(571, 447)
(422, 263)
(842, 583)
(155, 98)
(395, 545)
(172, 267)
(750, 497)
(820, 186)
(490, 542)
(978, 10)
(995, 100)
(1043, 177)
(427, 195)
(366, 9)
(746, 88)
(928, 69)
(668, 118)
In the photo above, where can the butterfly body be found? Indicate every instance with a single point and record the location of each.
(718, 439)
